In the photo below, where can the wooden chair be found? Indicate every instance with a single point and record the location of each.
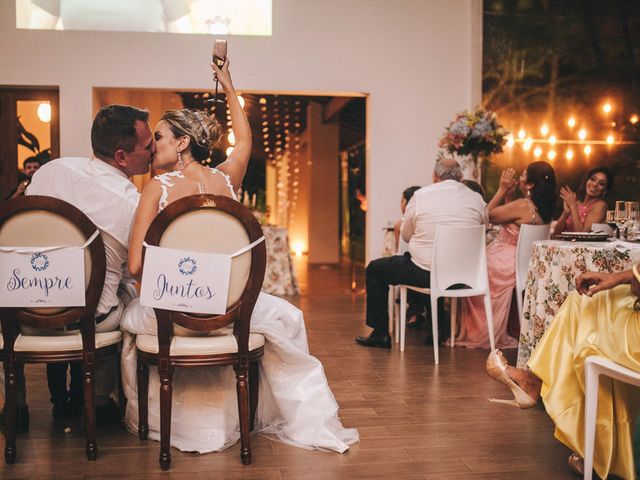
(44, 221)
(214, 224)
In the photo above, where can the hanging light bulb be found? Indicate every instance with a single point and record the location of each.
(537, 152)
(587, 149)
(553, 139)
(527, 144)
(551, 155)
(544, 130)
(510, 141)
(634, 119)
(569, 154)
(571, 122)
(582, 134)
(522, 134)
(44, 112)
(606, 108)
(611, 140)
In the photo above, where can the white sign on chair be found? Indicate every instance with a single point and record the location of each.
(185, 281)
(41, 277)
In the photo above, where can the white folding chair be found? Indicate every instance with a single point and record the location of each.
(594, 366)
(528, 235)
(459, 257)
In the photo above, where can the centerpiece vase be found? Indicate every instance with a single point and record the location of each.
(471, 165)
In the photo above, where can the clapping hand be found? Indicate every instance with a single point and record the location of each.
(507, 181)
(569, 198)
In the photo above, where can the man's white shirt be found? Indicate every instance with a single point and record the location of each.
(443, 203)
(105, 195)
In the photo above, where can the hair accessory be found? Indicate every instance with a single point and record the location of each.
(180, 162)
(204, 126)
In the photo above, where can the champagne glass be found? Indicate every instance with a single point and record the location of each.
(611, 221)
(633, 215)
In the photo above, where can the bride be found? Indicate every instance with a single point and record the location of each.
(295, 405)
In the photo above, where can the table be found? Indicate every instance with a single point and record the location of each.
(553, 268)
(280, 277)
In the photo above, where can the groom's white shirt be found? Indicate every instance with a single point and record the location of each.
(105, 195)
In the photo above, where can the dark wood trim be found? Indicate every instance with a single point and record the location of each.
(238, 314)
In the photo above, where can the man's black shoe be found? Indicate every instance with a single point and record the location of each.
(380, 341)
(22, 419)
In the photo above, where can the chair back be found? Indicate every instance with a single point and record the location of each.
(528, 234)
(40, 221)
(213, 224)
(459, 257)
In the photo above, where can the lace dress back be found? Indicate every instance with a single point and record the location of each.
(175, 185)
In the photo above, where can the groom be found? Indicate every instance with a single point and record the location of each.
(123, 146)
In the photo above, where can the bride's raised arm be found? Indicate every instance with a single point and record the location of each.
(146, 212)
(236, 164)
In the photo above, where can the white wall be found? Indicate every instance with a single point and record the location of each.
(417, 59)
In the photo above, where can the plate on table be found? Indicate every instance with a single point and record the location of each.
(584, 236)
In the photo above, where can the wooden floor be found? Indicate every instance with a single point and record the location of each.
(416, 420)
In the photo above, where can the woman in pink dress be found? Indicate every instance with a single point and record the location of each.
(538, 185)
(589, 207)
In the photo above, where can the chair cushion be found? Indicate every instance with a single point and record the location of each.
(198, 345)
(61, 343)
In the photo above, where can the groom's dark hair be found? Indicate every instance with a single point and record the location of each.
(114, 129)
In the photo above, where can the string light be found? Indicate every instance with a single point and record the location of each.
(522, 134)
(582, 134)
(571, 122)
(551, 155)
(544, 130)
(606, 108)
(610, 139)
(510, 141)
(527, 144)
(587, 149)
(537, 152)
(634, 119)
(569, 154)
(553, 139)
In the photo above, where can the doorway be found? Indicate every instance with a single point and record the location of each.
(29, 129)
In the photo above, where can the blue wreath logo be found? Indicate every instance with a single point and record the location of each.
(39, 262)
(187, 266)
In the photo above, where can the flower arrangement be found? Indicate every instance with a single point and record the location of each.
(474, 133)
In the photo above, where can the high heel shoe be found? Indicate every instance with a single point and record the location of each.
(497, 369)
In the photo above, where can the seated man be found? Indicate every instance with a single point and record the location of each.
(445, 202)
(123, 146)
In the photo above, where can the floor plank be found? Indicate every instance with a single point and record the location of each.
(416, 420)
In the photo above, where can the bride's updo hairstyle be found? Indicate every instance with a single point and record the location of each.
(203, 130)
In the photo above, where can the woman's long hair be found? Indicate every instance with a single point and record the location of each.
(543, 194)
(582, 192)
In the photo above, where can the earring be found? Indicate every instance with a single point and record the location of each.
(180, 162)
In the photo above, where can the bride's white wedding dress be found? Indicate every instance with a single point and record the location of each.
(295, 403)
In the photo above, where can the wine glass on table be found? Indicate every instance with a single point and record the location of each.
(620, 217)
(633, 217)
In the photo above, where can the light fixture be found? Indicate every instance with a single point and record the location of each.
(510, 141)
(228, 151)
(551, 155)
(522, 133)
(44, 112)
(544, 130)
(553, 139)
(527, 144)
(606, 108)
(610, 140)
(231, 138)
(262, 101)
(537, 152)
(587, 149)
(297, 248)
(582, 134)
(569, 154)
(634, 119)
(571, 122)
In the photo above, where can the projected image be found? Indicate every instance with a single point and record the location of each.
(216, 17)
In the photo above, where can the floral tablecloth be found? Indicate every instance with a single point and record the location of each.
(553, 268)
(280, 277)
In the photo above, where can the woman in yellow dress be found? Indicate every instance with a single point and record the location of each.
(601, 318)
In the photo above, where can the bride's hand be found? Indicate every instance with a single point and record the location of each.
(223, 75)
